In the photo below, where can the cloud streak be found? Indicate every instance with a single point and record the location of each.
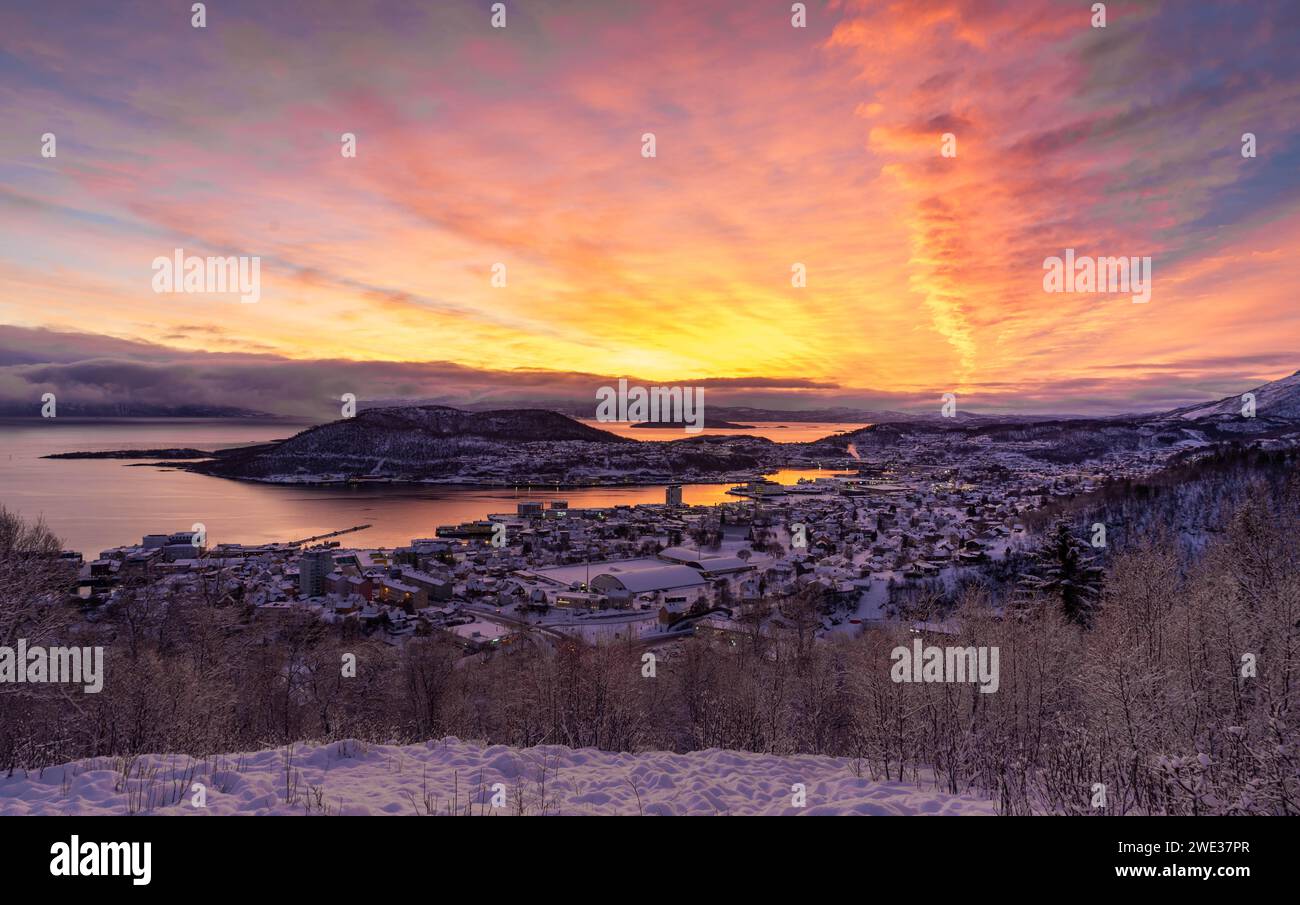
(776, 146)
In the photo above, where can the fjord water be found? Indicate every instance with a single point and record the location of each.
(95, 504)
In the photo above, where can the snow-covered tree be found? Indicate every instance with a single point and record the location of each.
(1065, 569)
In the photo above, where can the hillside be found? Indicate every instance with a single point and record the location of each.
(1073, 440)
(442, 444)
(449, 775)
(1279, 399)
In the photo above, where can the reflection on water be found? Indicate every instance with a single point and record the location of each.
(94, 504)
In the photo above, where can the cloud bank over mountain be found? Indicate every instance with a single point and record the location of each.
(92, 374)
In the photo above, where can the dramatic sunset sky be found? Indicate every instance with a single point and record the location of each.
(775, 145)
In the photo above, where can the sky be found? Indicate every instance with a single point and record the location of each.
(775, 146)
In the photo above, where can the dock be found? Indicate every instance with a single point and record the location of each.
(310, 540)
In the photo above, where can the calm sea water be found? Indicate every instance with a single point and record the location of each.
(95, 504)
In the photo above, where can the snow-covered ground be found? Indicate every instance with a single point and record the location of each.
(451, 775)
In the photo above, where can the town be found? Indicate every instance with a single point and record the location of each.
(846, 542)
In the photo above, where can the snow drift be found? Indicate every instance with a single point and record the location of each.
(454, 777)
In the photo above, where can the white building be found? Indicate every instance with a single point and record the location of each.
(313, 567)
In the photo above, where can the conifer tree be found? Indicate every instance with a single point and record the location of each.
(1065, 569)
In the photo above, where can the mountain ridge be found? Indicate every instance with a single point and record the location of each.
(444, 444)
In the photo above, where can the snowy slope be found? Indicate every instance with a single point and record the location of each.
(1278, 399)
(353, 778)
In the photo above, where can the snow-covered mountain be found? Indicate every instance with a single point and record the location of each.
(1279, 399)
(423, 441)
(444, 444)
(439, 443)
